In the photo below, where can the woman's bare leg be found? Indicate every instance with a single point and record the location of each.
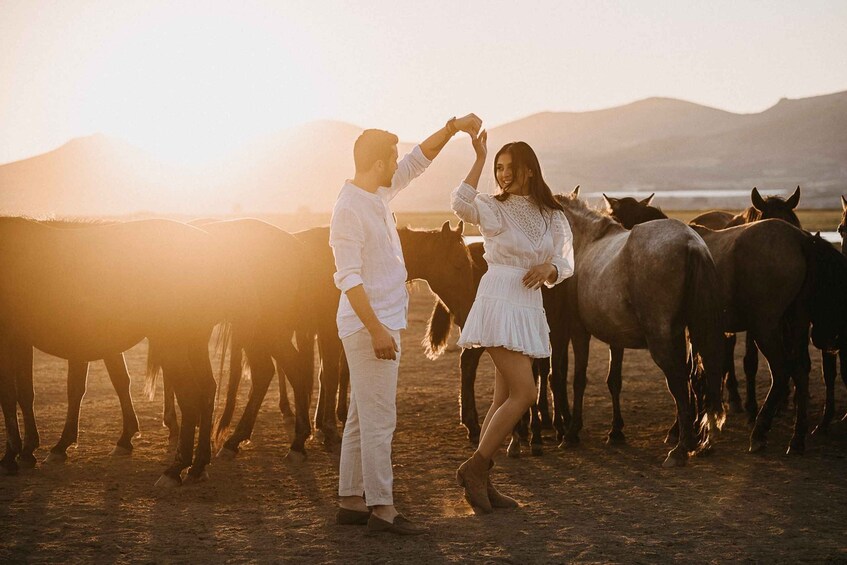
(514, 370)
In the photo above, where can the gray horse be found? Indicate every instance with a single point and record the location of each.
(642, 289)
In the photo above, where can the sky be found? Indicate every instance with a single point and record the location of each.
(192, 81)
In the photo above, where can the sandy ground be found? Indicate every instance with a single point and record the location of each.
(590, 504)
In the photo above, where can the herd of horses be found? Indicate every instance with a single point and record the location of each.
(84, 291)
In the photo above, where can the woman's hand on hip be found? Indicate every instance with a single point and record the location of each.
(383, 343)
(538, 275)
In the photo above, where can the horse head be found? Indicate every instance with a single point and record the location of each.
(842, 227)
(630, 212)
(776, 207)
(828, 299)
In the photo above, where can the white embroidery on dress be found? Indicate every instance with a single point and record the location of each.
(527, 216)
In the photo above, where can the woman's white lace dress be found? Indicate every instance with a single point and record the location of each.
(516, 236)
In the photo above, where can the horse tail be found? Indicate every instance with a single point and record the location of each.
(703, 308)
(236, 370)
(154, 368)
(437, 331)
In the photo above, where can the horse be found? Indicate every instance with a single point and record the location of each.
(93, 293)
(767, 290)
(266, 311)
(435, 341)
(770, 207)
(643, 289)
(761, 209)
(837, 347)
(438, 256)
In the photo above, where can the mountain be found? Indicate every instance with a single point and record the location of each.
(655, 144)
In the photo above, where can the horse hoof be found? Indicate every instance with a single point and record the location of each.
(295, 457)
(167, 482)
(226, 454)
(536, 450)
(194, 478)
(27, 461)
(514, 449)
(796, 448)
(672, 461)
(569, 442)
(757, 445)
(10, 467)
(54, 458)
(120, 451)
(735, 406)
(616, 438)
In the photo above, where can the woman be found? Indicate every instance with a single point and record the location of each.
(528, 243)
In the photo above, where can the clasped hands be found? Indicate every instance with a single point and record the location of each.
(538, 275)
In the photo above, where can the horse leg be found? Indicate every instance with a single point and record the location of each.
(343, 387)
(325, 416)
(118, 374)
(469, 363)
(8, 401)
(302, 383)
(543, 368)
(773, 348)
(802, 366)
(559, 384)
(735, 403)
(284, 404)
(176, 368)
(520, 433)
(580, 340)
(614, 382)
(77, 379)
(751, 367)
(22, 361)
(668, 352)
(169, 417)
(828, 364)
(204, 380)
(262, 373)
(535, 411)
(842, 355)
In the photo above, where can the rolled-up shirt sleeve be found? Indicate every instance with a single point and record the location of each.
(562, 248)
(347, 239)
(408, 169)
(475, 208)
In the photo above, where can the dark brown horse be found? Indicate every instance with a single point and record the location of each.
(830, 351)
(762, 209)
(435, 341)
(770, 207)
(93, 293)
(274, 270)
(439, 257)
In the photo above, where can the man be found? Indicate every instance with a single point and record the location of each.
(372, 278)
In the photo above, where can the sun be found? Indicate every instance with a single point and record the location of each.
(190, 87)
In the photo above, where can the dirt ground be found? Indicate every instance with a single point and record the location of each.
(590, 504)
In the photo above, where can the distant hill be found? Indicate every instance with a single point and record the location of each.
(651, 145)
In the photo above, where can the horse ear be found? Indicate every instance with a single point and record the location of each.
(648, 200)
(794, 200)
(756, 199)
(843, 203)
(575, 192)
(460, 229)
(445, 228)
(608, 201)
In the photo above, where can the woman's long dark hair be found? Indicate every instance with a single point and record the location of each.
(524, 160)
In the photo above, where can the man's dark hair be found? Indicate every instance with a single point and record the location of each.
(373, 145)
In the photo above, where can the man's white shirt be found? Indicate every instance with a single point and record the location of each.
(364, 240)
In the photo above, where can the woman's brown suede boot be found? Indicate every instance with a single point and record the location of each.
(473, 475)
(497, 499)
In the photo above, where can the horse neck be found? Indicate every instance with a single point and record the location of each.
(417, 252)
(588, 226)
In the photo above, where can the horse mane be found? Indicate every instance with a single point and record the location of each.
(596, 217)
